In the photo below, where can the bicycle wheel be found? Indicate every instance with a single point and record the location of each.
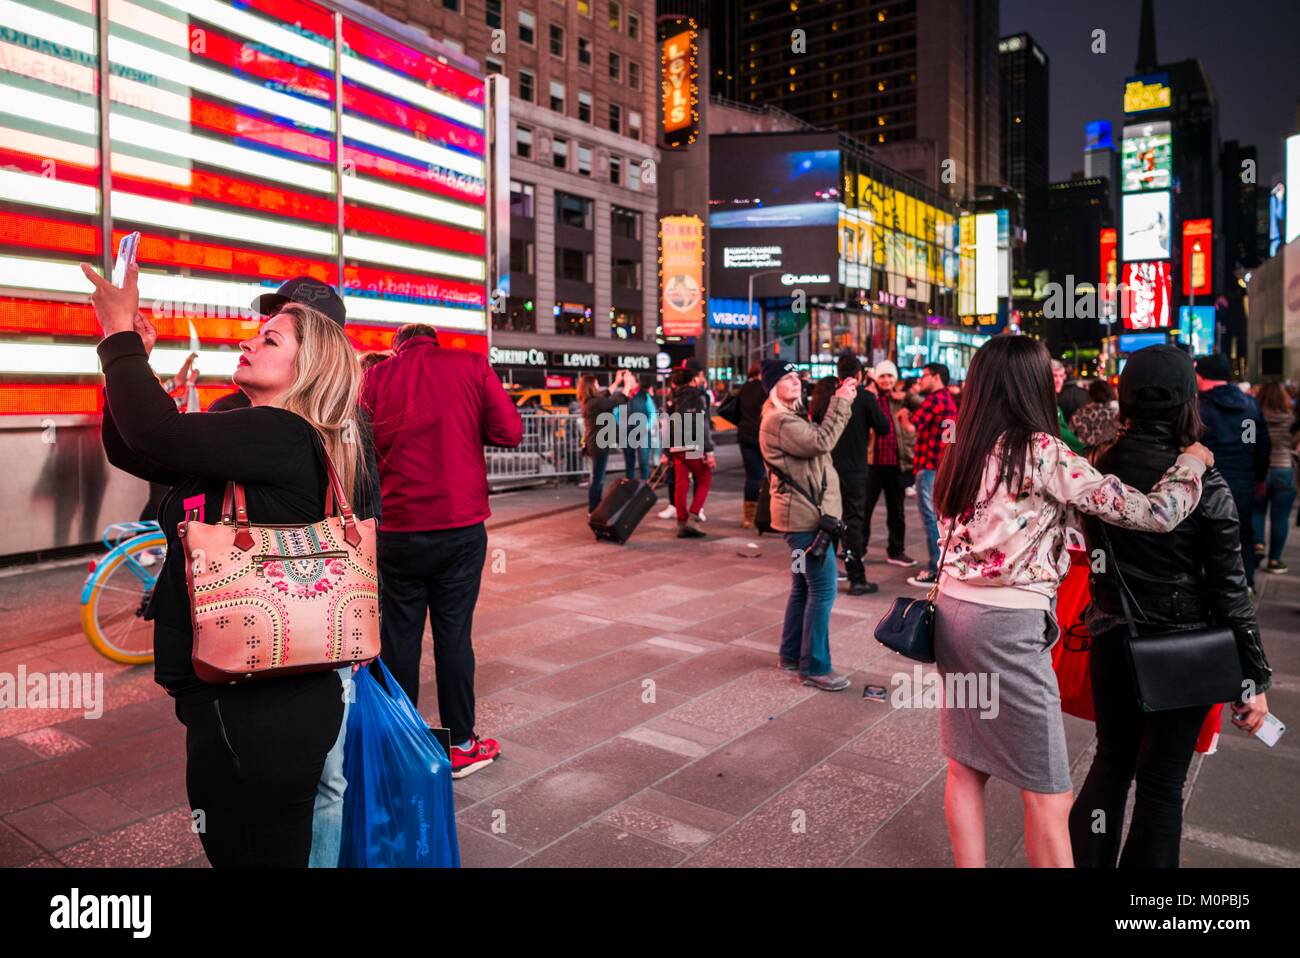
(112, 615)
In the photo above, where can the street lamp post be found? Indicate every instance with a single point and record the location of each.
(749, 310)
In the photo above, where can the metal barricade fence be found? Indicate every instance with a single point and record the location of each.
(551, 449)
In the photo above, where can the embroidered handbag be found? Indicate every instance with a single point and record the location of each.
(272, 600)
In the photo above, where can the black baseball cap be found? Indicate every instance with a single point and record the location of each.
(1157, 378)
(1214, 366)
(307, 291)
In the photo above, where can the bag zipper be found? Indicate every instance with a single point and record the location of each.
(263, 558)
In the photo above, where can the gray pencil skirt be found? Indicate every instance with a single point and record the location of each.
(1016, 733)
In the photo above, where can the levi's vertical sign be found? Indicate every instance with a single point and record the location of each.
(680, 94)
(681, 274)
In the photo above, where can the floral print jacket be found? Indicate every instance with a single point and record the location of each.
(1010, 550)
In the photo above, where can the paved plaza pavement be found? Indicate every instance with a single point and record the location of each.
(642, 718)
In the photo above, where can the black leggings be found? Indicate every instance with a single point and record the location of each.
(1154, 747)
(253, 761)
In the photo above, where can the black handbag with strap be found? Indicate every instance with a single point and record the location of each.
(908, 627)
(829, 528)
(1195, 668)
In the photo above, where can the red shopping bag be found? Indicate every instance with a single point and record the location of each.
(1070, 654)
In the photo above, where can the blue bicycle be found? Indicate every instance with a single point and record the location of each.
(118, 590)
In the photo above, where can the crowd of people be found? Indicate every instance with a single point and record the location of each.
(1184, 480)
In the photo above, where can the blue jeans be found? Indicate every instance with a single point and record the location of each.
(327, 819)
(806, 634)
(599, 460)
(929, 520)
(752, 457)
(1279, 497)
(636, 462)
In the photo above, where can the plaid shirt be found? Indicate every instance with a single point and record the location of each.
(929, 421)
(886, 451)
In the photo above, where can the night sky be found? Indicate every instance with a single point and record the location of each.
(1250, 50)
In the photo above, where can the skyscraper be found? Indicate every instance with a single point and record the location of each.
(1025, 117)
(916, 80)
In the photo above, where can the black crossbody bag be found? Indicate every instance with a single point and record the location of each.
(1195, 668)
(908, 627)
(829, 528)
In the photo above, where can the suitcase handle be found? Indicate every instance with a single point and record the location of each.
(657, 475)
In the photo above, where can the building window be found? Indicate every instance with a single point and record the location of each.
(634, 75)
(492, 13)
(523, 142)
(521, 199)
(527, 27)
(627, 273)
(625, 323)
(557, 40)
(574, 319)
(573, 211)
(584, 7)
(560, 153)
(584, 160)
(452, 5)
(527, 84)
(615, 16)
(519, 316)
(615, 67)
(616, 170)
(616, 118)
(625, 223)
(584, 52)
(634, 175)
(494, 66)
(557, 96)
(522, 259)
(584, 106)
(633, 26)
(634, 124)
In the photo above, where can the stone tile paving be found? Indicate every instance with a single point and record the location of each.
(643, 723)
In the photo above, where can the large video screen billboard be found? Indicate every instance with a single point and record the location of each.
(225, 128)
(1147, 157)
(774, 209)
(1145, 223)
(1146, 294)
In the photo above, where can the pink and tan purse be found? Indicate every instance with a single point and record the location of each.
(273, 600)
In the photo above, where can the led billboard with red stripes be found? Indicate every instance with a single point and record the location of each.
(247, 142)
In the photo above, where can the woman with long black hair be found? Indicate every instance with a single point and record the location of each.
(1002, 494)
(1185, 580)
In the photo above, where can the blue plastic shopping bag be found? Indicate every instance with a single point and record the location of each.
(398, 809)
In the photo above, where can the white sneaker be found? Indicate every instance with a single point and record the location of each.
(701, 516)
(668, 512)
(910, 491)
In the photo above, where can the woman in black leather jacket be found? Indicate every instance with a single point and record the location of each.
(1189, 578)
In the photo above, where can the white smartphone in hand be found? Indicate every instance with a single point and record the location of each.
(126, 251)
(1271, 730)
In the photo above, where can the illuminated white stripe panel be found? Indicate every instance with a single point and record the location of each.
(382, 136)
(127, 129)
(412, 203)
(149, 23)
(238, 227)
(394, 85)
(149, 170)
(130, 54)
(46, 146)
(48, 109)
(157, 290)
(71, 360)
(370, 310)
(44, 191)
(412, 257)
(38, 23)
(263, 31)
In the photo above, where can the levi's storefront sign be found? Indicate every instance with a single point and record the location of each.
(644, 363)
(579, 360)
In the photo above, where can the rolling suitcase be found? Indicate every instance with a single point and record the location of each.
(624, 506)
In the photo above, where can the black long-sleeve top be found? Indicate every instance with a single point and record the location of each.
(850, 453)
(275, 454)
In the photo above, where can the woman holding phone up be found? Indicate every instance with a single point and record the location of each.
(254, 750)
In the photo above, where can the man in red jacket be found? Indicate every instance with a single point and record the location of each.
(431, 411)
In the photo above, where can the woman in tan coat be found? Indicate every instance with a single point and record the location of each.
(804, 489)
